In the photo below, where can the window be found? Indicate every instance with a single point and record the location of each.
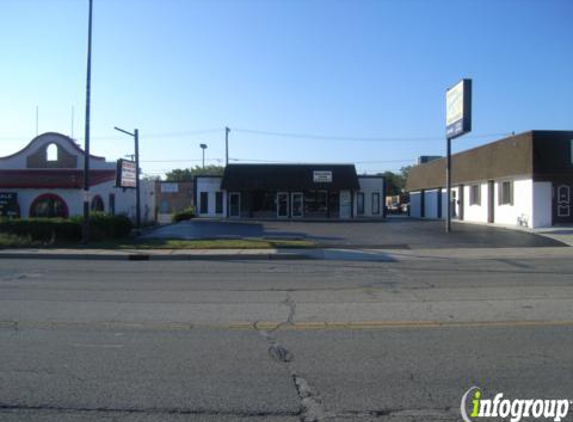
(52, 152)
(204, 203)
(475, 195)
(375, 203)
(219, 203)
(360, 204)
(97, 204)
(49, 205)
(506, 193)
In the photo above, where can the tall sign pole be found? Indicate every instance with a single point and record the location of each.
(85, 227)
(135, 136)
(458, 123)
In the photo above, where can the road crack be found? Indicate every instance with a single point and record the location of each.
(311, 407)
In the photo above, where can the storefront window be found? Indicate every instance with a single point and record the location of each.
(315, 201)
(49, 205)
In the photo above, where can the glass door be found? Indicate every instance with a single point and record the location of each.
(297, 204)
(282, 205)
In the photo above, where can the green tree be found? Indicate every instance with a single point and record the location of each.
(186, 175)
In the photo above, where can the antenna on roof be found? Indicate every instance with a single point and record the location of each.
(72, 130)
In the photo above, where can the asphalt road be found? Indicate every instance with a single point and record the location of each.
(396, 233)
(279, 341)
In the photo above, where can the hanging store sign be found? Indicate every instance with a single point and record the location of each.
(126, 174)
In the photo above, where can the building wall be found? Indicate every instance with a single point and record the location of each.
(532, 204)
(522, 203)
(70, 156)
(542, 205)
(368, 186)
(477, 213)
(170, 202)
(210, 185)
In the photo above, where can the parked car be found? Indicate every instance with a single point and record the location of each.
(394, 208)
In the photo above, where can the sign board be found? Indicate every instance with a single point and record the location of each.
(322, 176)
(459, 109)
(125, 174)
(9, 204)
(169, 187)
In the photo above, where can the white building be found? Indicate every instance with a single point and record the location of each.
(290, 191)
(45, 179)
(524, 180)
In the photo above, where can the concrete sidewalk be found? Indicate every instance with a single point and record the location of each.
(372, 255)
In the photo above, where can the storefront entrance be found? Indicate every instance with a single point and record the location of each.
(297, 202)
(234, 204)
(282, 204)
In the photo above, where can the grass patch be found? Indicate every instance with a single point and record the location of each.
(204, 244)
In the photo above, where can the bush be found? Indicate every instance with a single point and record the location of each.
(106, 226)
(52, 230)
(46, 230)
(186, 214)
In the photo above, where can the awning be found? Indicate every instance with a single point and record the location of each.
(289, 177)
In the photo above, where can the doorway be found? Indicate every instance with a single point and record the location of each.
(234, 204)
(282, 204)
(297, 204)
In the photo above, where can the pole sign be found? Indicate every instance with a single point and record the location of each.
(9, 204)
(125, 177)
(459, 109)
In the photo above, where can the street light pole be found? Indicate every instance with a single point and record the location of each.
(135, 136)
(203, 147)
(86, 222)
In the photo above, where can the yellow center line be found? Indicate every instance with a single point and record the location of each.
(271, 325)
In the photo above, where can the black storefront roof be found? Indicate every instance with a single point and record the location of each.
(289, 177)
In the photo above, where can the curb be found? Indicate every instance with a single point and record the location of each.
(153, 257)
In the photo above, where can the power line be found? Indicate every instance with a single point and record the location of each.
(360, 139)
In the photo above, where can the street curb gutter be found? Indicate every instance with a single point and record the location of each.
(153, 257)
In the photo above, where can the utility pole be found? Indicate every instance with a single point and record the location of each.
(227, 130)
(135, 136)
(85, 227)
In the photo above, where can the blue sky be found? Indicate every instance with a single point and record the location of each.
(182, 70)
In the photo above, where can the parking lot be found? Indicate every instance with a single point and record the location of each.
(397, 232)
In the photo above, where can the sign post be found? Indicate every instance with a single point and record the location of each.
(458, 123)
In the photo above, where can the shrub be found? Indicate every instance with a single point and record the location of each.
(52, 230)
(186, 214)
(106, 226)
(46, 230)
